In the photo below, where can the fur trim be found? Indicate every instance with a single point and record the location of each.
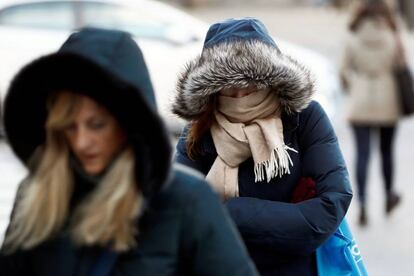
(239, 64)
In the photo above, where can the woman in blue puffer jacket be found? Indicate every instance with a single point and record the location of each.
(254, 132)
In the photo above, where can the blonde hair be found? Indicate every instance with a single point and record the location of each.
(106, 217)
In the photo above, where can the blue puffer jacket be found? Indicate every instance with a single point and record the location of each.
(281, 236)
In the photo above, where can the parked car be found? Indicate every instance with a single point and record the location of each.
(167, 36)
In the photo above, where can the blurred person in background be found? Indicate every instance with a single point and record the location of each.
(371, 54)
(254, 132)
(100, 197)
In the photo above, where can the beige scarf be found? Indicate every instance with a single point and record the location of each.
(245, 127)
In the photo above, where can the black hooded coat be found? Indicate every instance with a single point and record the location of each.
(183, 229)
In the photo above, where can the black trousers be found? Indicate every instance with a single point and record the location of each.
(363, 148)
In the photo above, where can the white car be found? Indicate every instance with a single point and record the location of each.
(167, 36)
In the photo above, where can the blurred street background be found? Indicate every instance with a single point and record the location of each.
(387, 243)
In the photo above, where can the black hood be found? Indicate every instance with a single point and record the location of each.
(109, 67)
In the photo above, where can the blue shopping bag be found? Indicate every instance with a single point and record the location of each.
(339, 255)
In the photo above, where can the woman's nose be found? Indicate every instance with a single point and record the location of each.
(83, 139)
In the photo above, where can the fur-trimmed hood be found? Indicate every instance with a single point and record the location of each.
(239, 53)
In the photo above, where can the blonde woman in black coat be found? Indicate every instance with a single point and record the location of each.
(101, 197)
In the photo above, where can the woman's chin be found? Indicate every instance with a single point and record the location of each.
(93, 169)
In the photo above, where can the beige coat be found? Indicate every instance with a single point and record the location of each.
(369, 59)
